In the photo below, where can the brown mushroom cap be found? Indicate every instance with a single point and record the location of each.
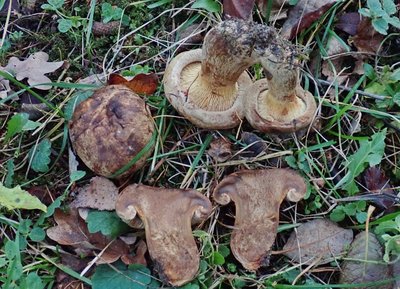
(110, 128)
(278, 103)
(258, 195)
(167, 215)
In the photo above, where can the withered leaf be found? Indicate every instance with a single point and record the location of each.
(367, 250)
(100, 194)
(220, 149)
(71, 230)
(191, 35)
(65, 281)
(367, 39)
(256, 144)
(34, 68)
(142, 83)
(319, 238)
(238, 8)
(303, 15)
(377, 183)
(139, 257)
(348, 22)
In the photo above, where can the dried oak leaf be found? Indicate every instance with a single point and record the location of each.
(141, 83)
(34, 68)
(336, 65)
(238, 8)
(71, 230)
(367, 39)
(139, 257)
(191, 35)
(316, 239)
(256, 145)
(363, 262)
(377, 183)
(100, 194)
(220, 149)
(65, 281)
(303, 15)
(348, 22)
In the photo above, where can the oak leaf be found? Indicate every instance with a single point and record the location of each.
(34, 68)
(317, 239)
(141, 83)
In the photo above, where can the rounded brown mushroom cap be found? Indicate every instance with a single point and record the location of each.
(258, 195)
(268, 114)
(180, 82)
(167, 215)
(110, 128)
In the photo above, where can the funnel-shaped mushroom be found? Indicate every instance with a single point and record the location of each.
(207, 85)
(258, 195)
(167, 216)
(278, 103)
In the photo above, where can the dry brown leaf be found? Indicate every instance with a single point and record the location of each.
(303, 15)
(316, 239)
(348, 22)
(367, 39)
(191, 35)
(220, 149)
(71, 230)
(34, 68)
(65, 281)
(332, 68)
(367, 249)
(100, 194)
(141, 83)
(256, 144)
(139, 257)
(238, 8)
(377, 183)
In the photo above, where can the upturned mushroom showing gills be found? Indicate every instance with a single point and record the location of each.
(258, 195)
(278, 103)
(167, 216)
(207, 85)
(112, 129)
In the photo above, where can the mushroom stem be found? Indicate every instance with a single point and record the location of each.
(226, 54)
(281, 100)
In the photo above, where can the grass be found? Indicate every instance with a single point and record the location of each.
(180, 160)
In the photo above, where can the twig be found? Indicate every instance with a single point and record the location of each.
(372, 95)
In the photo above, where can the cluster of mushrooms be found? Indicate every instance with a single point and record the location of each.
(112, 133)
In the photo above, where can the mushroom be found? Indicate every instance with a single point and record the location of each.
(207, 85)
(111, 130)
(258, 195)
(278, 103)
(167, 215)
